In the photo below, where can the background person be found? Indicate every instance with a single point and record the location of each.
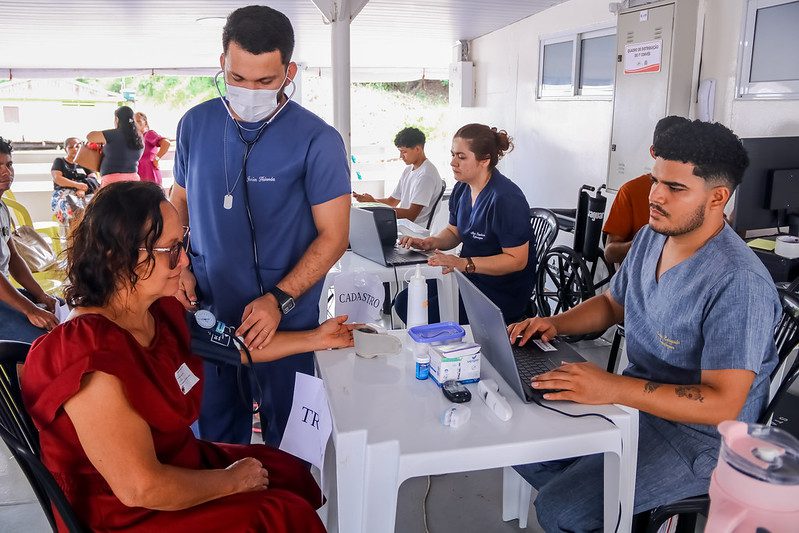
(263, 236)
(73, 185)
(630, 209)
(114, 389)
(21, 319)
(420, 184)
(490, 216)
(155, 147)
(122, 148)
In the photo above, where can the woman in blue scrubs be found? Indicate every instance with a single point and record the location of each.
(490, 216)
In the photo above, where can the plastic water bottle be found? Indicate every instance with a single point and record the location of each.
(417, 299)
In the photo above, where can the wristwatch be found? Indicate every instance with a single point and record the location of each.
(284, 301)
(470, 266)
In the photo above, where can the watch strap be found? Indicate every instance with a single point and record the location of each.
(283, 299)
(470, 266)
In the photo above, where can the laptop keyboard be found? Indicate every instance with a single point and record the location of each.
(529, 364)
(393, 257)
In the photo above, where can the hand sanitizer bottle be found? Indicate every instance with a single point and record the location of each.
(417, 299)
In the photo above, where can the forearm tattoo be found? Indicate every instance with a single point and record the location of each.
(651, 386)
(690, 392)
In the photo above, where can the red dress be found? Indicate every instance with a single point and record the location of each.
(52, 375)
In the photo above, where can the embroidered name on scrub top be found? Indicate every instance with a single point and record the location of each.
(667, 342)
(261, 179)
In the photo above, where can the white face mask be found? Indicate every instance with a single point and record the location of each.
(253, 105)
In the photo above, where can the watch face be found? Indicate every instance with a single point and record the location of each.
(287, 306)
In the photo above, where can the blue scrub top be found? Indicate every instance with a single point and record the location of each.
(299, 161)
(716, 310)
(499, 218)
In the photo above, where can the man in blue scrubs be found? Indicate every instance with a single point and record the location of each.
(699, 310)
(265, 186)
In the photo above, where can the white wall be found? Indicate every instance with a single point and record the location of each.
(560, 145)
(723, 28)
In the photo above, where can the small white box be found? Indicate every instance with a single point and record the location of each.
(458, 360)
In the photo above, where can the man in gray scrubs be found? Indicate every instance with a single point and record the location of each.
(699, 310)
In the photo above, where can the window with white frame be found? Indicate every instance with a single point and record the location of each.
(769, 58)
(577, 64)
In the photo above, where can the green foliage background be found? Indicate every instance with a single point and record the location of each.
(173, 91)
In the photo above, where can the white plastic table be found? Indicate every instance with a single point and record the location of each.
(351, 262)
(386, 429)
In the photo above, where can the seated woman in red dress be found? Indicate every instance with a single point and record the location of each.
(103, 389)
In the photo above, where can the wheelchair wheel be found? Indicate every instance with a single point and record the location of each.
(563, 281)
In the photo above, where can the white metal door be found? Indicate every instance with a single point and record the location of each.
(641, 93)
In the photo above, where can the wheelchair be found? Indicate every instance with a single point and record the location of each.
(570, 275)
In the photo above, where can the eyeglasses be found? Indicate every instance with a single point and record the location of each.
(174, 250)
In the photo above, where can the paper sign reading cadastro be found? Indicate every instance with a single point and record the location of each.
(643, 57)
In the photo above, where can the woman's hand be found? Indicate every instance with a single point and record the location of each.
(80, 193)
(248, 474)
(82, 187)
(420, 244)
(447, 262)
(155, 162)
(334, 333)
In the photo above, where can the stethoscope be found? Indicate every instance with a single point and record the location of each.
(248, 147)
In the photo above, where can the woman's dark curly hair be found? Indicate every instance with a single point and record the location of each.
(127, 126)
(103, 254)
(713, 149)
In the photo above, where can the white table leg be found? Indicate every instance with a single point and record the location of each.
(381, 487)
(619, 474)
(350, 477)
(516, 493)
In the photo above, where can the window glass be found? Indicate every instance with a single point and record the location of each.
(557, 71)
(775, 50)
(597, 62)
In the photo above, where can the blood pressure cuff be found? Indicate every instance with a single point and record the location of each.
(216, 345)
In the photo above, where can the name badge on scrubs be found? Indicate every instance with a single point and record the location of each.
(186, 378)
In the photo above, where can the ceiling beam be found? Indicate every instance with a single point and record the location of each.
(331, 9)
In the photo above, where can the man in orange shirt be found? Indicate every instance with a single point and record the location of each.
(630, 209)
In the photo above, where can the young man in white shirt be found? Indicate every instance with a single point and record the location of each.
(416, 193)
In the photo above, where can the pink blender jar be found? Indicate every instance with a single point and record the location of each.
(755, 486)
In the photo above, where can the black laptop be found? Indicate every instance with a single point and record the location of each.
(365, 241)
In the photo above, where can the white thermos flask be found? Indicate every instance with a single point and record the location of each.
(417, 299)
